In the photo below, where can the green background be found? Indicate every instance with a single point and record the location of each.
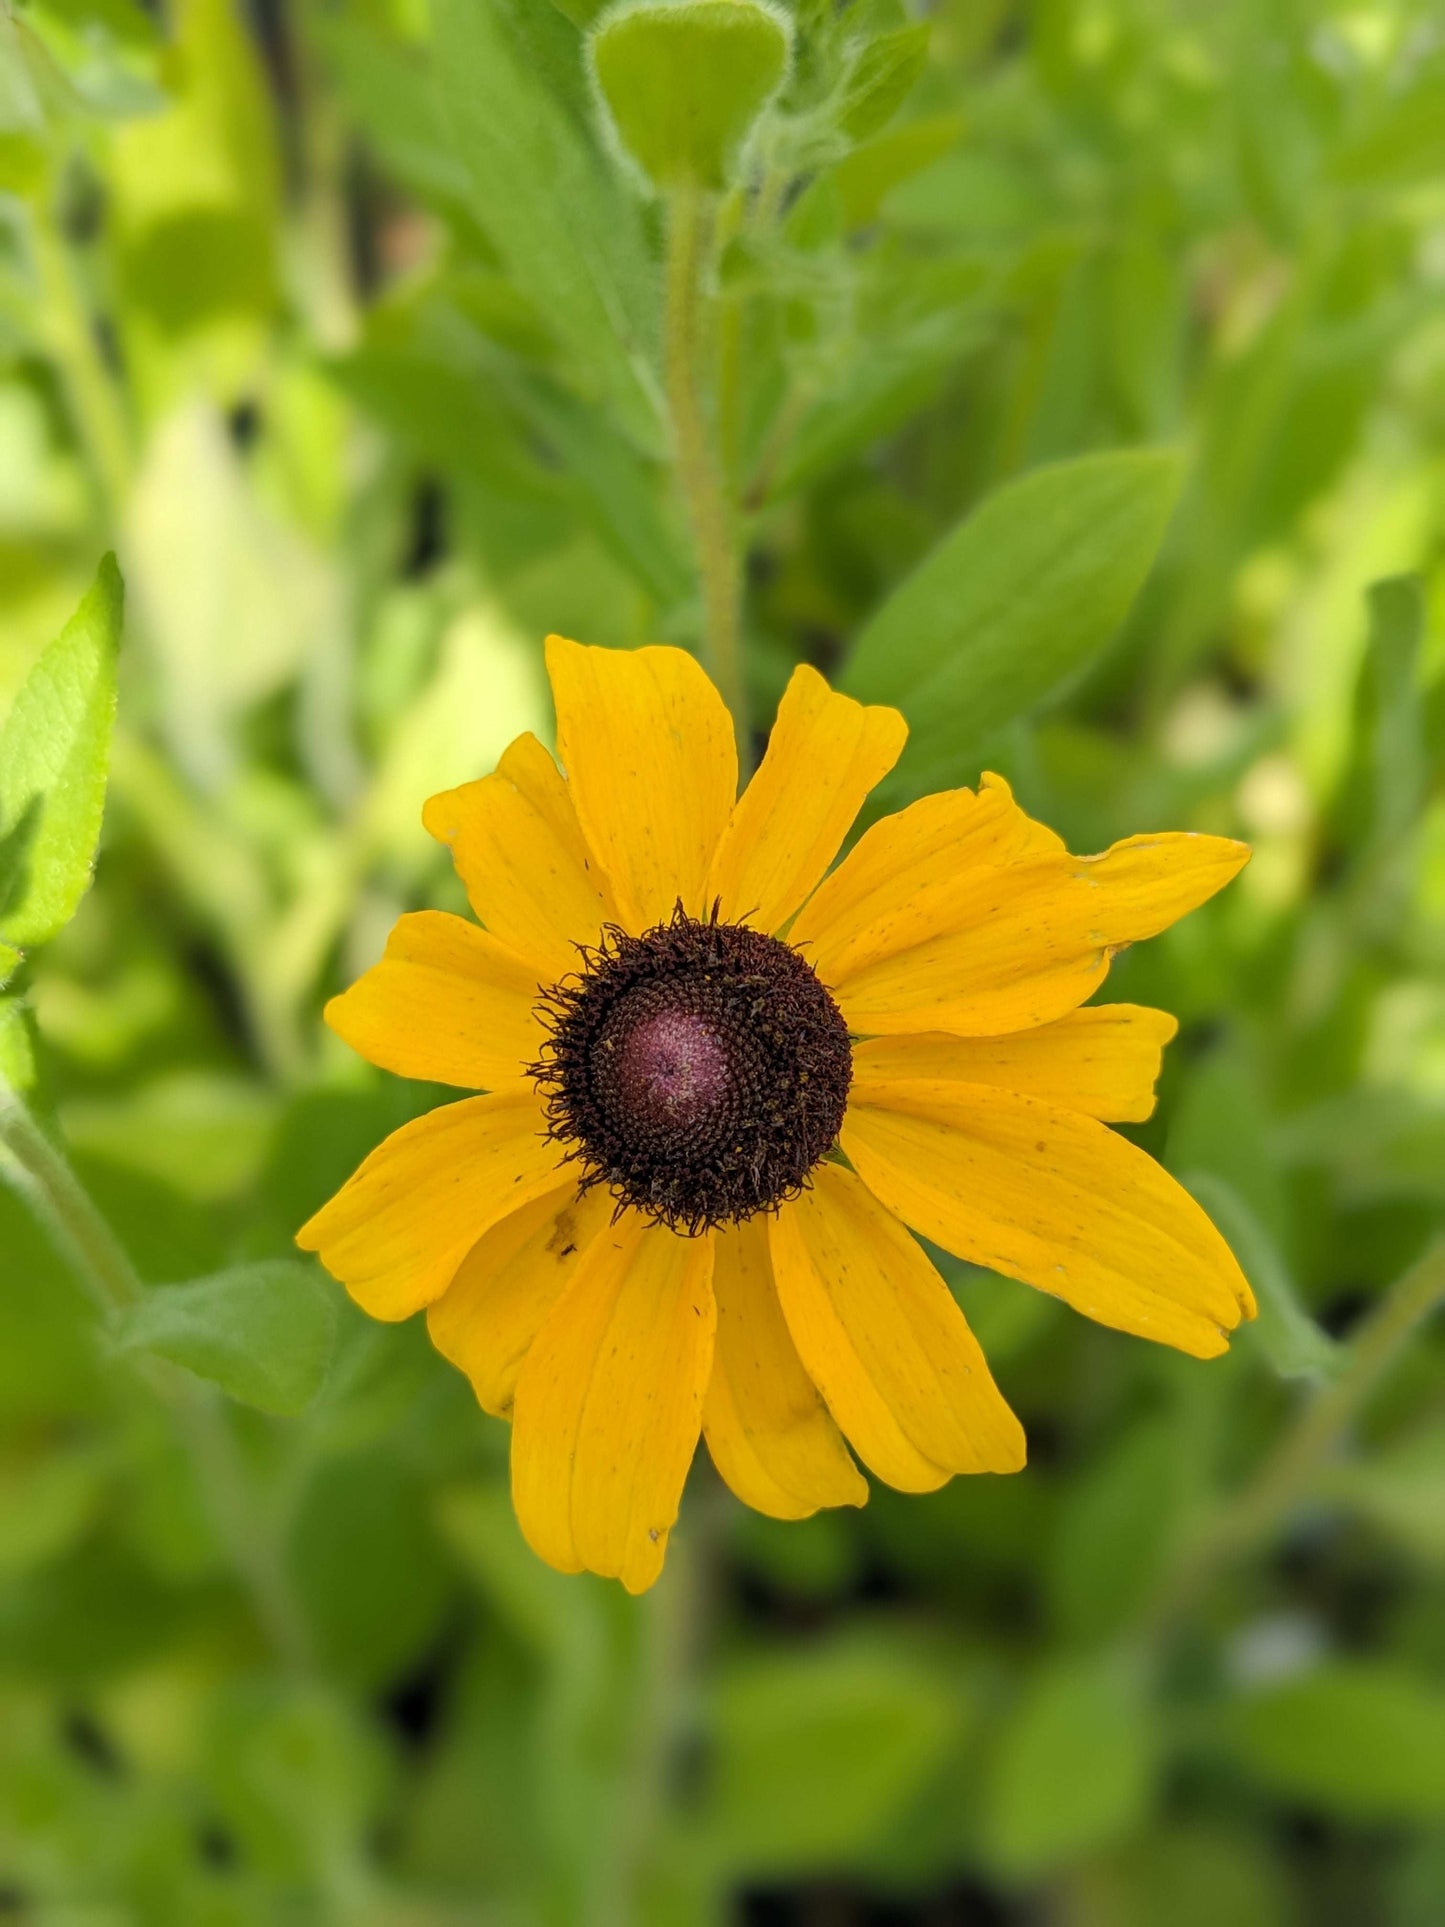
(1071, 374)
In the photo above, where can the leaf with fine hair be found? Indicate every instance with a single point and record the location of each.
(684, 81)
(54, 755)
(568, 233)
(263, 1333)
(1012, 604)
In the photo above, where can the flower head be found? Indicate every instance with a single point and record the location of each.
(725, 1082)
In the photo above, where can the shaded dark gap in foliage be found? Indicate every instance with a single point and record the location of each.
(244, 424)
(416, 1704)
(217, 1847)
(88, 1741)
(829, 1904)
(429, 538)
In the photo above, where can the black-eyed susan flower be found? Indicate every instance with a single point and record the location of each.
(725, 1084)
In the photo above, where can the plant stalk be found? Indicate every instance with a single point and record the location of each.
(699, 465)
(94, 1252)
(96, 408)
(101, 1264)
(1286, 1475)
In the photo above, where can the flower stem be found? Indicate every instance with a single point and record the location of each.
(95, 1253)
(100, 1262)
(97, 412)
(672, 1635)
(1286, 1475)
(699, 466)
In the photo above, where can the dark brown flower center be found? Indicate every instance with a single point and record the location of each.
(700, 1070)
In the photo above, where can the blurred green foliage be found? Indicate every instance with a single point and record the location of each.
(344, 325)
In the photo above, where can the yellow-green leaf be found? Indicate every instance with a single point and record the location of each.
(54, 754)
(684, 82)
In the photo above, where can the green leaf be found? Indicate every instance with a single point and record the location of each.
(684, 82)
(17, 1044)
(1401, 1489)
(391, 92)
(10, 961)
(1397, 631)
(1122, 1514)
(882, 79)
(1013, 603)
(817, 1752)
(1364, 1740)
(262, 1332)
(888, 385)
(198, 188)
(204, 1133)
(580, 12)
(1074, 1768)
(46, 1505)
(54, 752)
(544, 1610)
(569, 235)
(1284, 1331)
(1404, 142)
(871, 172)
(1220, 1124)
(370, 1570)
(295, 1775)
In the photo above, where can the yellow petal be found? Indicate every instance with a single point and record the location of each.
(825, 753)
(447, 1002)
(767, 1429)
(1056, 1199)
(1102, 1060)
(851, 920)
(398, 1229)
(487, 1317)
(609, 1403)
(996, 950)
(884, 1340)
(648, 747)
(523, 859)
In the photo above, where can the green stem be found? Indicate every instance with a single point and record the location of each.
(95, 404)
(101, 1264)
(699, 468)
(1286, 1475)
(95, 1253)
(672, 1636)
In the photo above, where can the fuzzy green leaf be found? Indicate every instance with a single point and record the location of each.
(54, 754)
(684, 82)
(17, 1043)
(263, 1333)
(881, 80)
(817, 1754)
(1289, 1338)
(1074, 1766)
(568, 234)
(1013, 603)
(1361, 1739)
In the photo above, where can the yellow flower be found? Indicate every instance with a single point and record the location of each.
(722, 1081)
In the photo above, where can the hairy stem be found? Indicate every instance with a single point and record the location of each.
(699, 467)
(673, 1633)
(60, 1200)
(1253, 1515)
(100, 1262)
(95, 404)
